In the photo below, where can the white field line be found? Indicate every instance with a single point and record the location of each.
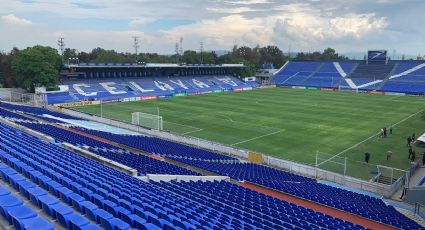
(193, 127)
(374, 135)
(265, 135)
(395, 98)
(199, 130)
(226, 117)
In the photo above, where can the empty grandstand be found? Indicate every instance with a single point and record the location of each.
(131, 82)
(392, 77)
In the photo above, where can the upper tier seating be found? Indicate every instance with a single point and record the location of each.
(115, 200)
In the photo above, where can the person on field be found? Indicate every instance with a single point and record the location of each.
(391, 129)
(413, 156)
(409, 139)
(382, 133)
(389, 154)
(423, 159)
(367, 157)
(385, 131)
(410, 152)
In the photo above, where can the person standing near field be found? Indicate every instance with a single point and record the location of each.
(409, 139)
(423, 159)
(391, 129)
(413, 156)
(389, 154)
(367, 157)
(410, 152)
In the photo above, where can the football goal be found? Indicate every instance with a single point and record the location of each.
(147, 120)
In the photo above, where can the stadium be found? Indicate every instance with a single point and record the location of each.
(196, 140)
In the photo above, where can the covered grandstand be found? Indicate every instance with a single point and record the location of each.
(130, 82)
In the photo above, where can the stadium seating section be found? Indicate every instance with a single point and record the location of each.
(395, 76)
(114, 88)
(110, 198)
(67, 186)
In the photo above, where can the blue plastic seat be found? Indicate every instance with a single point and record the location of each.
(18, 213)
(76, 201)
(64, 194)
(24, 186)
(76, 221)
(7, 202)
(61, 212)
(46, 202)
(4, 191)
(90, 227)
(149, 226)
(35, 193)
(102, 216)
(89, 209)
(14, 179)
(37, 223)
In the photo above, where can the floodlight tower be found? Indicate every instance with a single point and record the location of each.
(181, 46)
(61, 44)
(136, 45)
(177, 52)
(202, 50)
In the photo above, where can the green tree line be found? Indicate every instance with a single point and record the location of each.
(40, 65)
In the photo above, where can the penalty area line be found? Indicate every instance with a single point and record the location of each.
(255, 138)
(193, 131)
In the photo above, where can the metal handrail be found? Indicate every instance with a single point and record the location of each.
(418, 207)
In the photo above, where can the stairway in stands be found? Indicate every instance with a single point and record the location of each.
(387, 78)
(378, 71)
(313, 73)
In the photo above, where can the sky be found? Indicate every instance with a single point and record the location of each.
(295, 25)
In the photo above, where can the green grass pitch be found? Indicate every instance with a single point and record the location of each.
(292, 124)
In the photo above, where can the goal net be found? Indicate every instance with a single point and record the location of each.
(147, 120)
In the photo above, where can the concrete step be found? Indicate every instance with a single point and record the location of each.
(412, 216)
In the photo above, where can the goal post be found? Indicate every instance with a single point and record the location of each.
(331, 163)
(147, 120)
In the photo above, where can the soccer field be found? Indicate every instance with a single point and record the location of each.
(292, 124)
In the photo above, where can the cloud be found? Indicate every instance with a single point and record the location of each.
(348, 25)
(11, 19)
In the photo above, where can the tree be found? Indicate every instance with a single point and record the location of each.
(190, 57)
(37, 66)
(272, 55)
(6, 75)
(69, 53)
(105, 56)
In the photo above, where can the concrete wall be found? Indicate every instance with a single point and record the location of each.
(178, 178)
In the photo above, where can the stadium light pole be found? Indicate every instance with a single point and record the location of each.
(101, 108)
